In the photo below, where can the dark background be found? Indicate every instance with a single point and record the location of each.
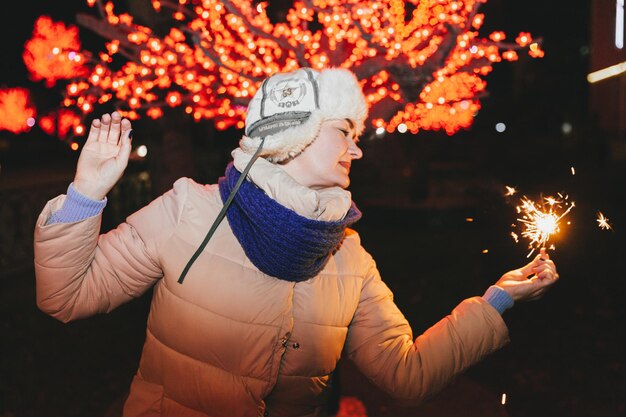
(416, 192)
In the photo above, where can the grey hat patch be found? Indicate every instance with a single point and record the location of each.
(277, 123)
(288, 93)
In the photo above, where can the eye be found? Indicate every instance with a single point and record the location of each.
(349, 133)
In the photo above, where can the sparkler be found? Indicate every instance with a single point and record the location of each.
(603, 222)
(542, 219)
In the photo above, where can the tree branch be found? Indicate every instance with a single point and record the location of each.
(196, 37)
(283, 43)
(101, 27)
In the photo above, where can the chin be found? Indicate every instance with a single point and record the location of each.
(344, 184)
(339, 180)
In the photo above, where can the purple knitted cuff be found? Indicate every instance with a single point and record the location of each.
(76, 207)
(498, 298)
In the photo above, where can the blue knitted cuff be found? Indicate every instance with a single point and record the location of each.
(76, 207)
(498, 298)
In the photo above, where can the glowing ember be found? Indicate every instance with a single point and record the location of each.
(510, 190)
(603, 222)
(351, 407)
(541, 220)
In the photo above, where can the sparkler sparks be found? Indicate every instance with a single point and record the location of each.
(542, 219)
(510, 190)
(603, 222)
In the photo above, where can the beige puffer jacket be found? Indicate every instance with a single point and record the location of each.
(231, 341)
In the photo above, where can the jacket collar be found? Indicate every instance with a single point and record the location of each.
(329, 204)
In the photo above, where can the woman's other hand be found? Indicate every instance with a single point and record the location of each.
(104, 156)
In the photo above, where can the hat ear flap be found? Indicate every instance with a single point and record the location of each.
(286, 144)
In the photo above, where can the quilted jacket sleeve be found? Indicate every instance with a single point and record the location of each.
(80, 272)
(380, 342)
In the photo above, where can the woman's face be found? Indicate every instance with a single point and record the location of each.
(326, 162)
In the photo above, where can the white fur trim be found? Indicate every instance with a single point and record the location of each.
(341, 97)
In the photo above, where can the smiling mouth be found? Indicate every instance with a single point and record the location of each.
(346, 165)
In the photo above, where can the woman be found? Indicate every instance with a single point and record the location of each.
(251, 318)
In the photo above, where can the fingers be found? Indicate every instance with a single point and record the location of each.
(105, 125)
(548, 273)
(540, 258)
(545, 263)
(533, 280)
(126, 129)
(125, 148)
(543, 254)
(528, 269)
(536, 288)
(541, 268)
(109, 128)
(94, 130)
(541, 284)
(548, 276)
(545, 274)
(115, 128)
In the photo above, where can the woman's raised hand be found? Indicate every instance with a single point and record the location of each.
(104, 156)
(531, 281)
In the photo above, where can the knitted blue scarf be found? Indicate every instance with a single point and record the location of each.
(277, 240)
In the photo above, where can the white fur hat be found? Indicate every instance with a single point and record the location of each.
(289, 108)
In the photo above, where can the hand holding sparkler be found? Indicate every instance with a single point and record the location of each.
(531, 281)
(541, 220)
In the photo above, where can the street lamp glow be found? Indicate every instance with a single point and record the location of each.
(500, 127)
(142, 151)
(566, 128)
(607, 72)
(619, 24)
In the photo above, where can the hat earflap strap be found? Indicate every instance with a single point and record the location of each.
(222, 212)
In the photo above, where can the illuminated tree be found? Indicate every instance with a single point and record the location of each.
(421, 63)
(17, 111)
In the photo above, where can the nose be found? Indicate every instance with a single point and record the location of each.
(354, 150)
